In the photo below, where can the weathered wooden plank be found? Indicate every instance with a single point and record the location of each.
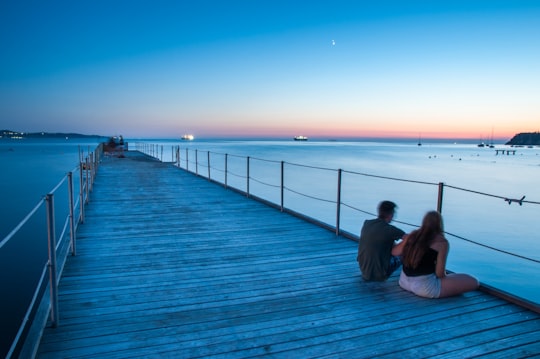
(172, 265)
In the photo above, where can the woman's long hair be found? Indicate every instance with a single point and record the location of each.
(419, 240)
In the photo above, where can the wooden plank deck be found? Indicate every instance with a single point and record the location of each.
(172, 265)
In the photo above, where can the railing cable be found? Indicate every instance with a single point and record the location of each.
(312, 167)
(390, 178)
(265, 183)
(22, 223)
(519, 201)
(309, 196)
(509, 200)
(493, 248)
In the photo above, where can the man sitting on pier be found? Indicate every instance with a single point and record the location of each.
(378, 254)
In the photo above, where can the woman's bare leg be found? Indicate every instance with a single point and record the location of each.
(454, 284)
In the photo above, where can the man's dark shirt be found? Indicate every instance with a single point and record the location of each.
(374, 249)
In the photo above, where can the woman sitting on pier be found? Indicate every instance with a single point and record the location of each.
(424, 263)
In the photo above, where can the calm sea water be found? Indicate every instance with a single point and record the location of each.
(30, 169)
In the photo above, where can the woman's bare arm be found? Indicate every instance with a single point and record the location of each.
(442, 246)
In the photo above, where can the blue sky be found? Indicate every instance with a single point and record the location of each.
(271, 68)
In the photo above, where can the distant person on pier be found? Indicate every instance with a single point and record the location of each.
(424, 263)
(378, 253)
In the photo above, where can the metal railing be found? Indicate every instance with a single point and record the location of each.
(44, 301)
(219, 167)
(247, 175)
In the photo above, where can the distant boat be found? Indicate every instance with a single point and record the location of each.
(188, 137)
(481, 143)
(491, 145)
(419, 140)
(300, 138)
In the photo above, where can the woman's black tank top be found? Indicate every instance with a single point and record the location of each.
(426, 265)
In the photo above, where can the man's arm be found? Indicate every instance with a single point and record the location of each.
(397, 249)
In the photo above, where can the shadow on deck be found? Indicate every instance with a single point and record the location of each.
(172, 265)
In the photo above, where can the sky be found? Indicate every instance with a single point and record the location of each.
(327, 69)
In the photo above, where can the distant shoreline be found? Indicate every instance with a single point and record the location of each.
(520, 139)
(8, 135)
(525, 139)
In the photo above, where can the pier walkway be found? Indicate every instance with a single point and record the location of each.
(172, 265)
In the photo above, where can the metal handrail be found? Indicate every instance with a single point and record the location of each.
(28, 311)
(178, 161)
(87, 170)
(21, 224)
(185, 163)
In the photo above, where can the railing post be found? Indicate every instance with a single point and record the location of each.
(197, 162)
(95, 164)
(208, 161)
(91, 169)
(187, 160)
(282, 184)
(338, 203)
(52, 259)
(440, 197)
(87, 175)
(81, 193)
(72, 233)
(247, 177)
(226, 164)
(161, 153)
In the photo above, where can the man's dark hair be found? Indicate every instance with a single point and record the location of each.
(386, 208)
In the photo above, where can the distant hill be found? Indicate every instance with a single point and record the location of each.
(525, 139)
(19, 135)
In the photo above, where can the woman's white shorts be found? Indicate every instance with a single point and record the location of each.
(428, 286)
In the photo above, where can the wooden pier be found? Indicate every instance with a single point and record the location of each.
(513, 152)
(172, 265)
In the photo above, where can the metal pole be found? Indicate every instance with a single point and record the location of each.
(95, 163)
(282, 184)
(187, 160)
(71, 214)
(197, 162)
(208, 161)
(247, 177)
(440, 197)
(81, 193)
(91, 169)
(87, 182)
(338, 204)
(52, 259)
(226, 164)
(161, 153)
